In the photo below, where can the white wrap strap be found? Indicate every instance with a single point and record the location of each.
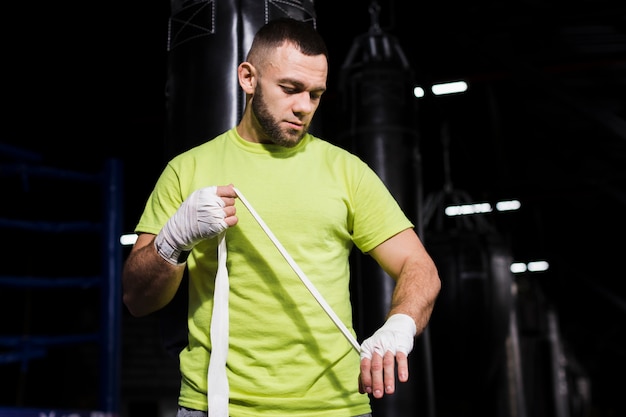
(396, 335)
(199, 217)
(217, 380)
(327, 308)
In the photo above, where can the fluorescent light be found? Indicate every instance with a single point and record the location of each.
(533, 266)
(508, 205)
(449, 88)
(478, 208)
(538, 266)
(128, 239)
(468, 209)
(418, 92)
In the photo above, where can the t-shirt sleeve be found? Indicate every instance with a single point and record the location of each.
(377, 214)
(162, 203)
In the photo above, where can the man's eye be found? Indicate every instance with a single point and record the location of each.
(290, 90)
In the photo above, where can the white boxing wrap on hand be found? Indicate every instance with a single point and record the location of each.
(200, 216)
(396, 335)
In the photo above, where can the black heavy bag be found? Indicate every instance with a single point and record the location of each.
(376, 87)
(470, 327)
(207, 40)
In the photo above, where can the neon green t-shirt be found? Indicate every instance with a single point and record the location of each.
(286, 356)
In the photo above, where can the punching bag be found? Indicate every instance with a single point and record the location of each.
(207, 40)
(473, 337)
(471, 324)
(376, 85)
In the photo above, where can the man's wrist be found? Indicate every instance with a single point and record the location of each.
(168, 252)
(402, 321)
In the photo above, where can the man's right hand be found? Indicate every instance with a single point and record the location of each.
(206, 213)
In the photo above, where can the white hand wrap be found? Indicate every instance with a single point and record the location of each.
(200, 216)
(396, 335)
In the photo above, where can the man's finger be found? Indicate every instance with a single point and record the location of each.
(365, 379)
(377, 370)
(403, 367)
(389, 377)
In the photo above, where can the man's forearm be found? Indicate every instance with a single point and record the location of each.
(149, 281)
(415, 292)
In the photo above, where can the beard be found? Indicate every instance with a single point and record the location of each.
(270, 126)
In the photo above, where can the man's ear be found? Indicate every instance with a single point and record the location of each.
(247, 77)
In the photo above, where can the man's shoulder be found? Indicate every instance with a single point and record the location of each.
(329, 145)
(335, 149)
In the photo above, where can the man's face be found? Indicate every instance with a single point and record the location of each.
(287, 94)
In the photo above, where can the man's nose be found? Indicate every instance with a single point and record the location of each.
(303, 103)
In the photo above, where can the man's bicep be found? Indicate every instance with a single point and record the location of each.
(395, 251)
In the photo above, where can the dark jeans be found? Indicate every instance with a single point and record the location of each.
(185, 412)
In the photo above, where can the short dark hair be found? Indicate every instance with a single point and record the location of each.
(278, 31)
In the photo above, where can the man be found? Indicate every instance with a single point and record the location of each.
(284, 354)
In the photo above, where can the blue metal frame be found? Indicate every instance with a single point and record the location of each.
(108, 337)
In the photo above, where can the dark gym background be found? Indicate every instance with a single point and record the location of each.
(543, 121)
